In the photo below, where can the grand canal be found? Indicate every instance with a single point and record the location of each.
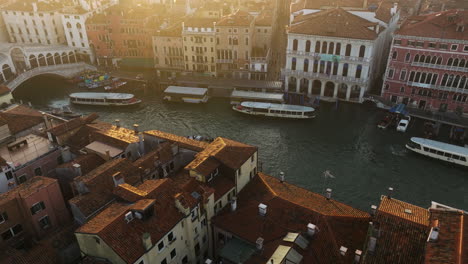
(364, 160)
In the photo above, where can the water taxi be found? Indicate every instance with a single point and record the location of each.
(275, 110)
(186, 94)
(439, 150)
(106, 99)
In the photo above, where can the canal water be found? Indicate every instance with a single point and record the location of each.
(343, 139)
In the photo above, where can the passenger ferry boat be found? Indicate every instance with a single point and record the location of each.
(275, 110)
(439, 150)
(186, 94)
(107, 99)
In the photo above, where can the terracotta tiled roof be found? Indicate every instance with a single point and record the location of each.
(109, 134)
(240, 18)
(264, 19)
(174, 30)
(163, 154)
(80, 138)
(228, 152)
(27, 188)
(129, 193)
(451, 245)
(200, 22)
(401, 237)
(326, 4)
(291, 209)
(125, 238)
(4, 89)
(87, 162)
(183, 142)
(92, 202)
(101, 177)
(442, 25)
(221, 185)
(72, 124)
(335, 22)
(20, 118)
(400, 209)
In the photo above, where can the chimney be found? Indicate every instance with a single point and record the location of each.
(77, 169)
(329, 193)
(371, 244)
(373, 210)
(343, 250)
(233, 204)
(146, 239)
(135, 128)
(390, 192)
(357, 256)
(259, 243)
(46, 121)
(364, 4)
(117, 123)
(281, 177)
(262, 209)
(108, 156)
(434, 233)
(311, 229)
(141, 144)
(118, 178)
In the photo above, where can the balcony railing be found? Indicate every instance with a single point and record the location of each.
(224, 60)
(317, 55)
(440, 67)
(323, 76)
(438, 87)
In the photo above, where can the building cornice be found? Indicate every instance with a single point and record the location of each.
(454, 41)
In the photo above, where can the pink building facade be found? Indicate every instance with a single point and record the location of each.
(428, 63)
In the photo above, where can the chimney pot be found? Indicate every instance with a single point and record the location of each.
(282, 177)
(373, 210)
(233, 204)
(77, 168)
(135, 128)
(343, 250)
(259, 243)
(390, 192)
(329, 193)
(117, 123)
(262, 209)
(311, 229)
(357, 256)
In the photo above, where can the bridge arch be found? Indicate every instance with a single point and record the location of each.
(50, 59)
(65, 59)
(57, 59)
(42, 60)
(7, 71)
(33, 61)
(19, 59)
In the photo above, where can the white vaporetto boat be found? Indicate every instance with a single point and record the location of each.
(107, 99)
(275, 110)
(186, 94)
(439, 150)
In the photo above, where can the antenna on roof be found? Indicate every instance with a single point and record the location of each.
(326, 175)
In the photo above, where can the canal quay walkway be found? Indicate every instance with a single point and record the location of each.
(447, 118)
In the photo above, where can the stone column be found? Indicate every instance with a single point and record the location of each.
(335, 90)
(286, 83)
(361, 94)
(309, 88)
(348, 92)
(322, 89)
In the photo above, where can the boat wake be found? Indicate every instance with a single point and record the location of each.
(398, 151)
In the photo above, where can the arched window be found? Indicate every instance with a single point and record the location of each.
(331, 47)
(317, 46)
(307, 47)
(450, 62)
(444, 80)
(411, 77)
(68, 25)
(394, 55)
(407, 57)
(423, 78)
(324, 47)
(315, 66)
(345, 69)
(462, 82)
(335, 68)
(456, 80)
(322, 67)
(358, 71)
(422, 58)
(306, 65)
(418, 77)
(78, 25)
(429, 78)
(462, 63)
(295, 44)
(416, 58)
(293, 64)
(439, 60)
(428, 59)
(434, 60)
(338, 49)
(362, 51)
(450, 80)
(455, 62)
(348, 50)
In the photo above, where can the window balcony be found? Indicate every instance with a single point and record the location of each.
(440, 67)
(323, 77)
(317, 56)
(438, 87)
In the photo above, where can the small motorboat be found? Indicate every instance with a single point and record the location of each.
(403, 124)
(64, 112)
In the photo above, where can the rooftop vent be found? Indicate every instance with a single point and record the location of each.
(128, 217)
(390, 192)
(233, 204)
(281, 176)
(77, 168)
(373, 210)
(208, 261)
(328, 193)
(117, 123)
(259, 243)
(135, 128)
(311, 229)
(357, 256)
(433, 235)
(343, 250)
(408, 211)
(262, 209)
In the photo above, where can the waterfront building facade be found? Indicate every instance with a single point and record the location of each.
(169, 51)
(34, 23)
(330, 54)
(234, 38)
(198, 37)
(428, 63)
